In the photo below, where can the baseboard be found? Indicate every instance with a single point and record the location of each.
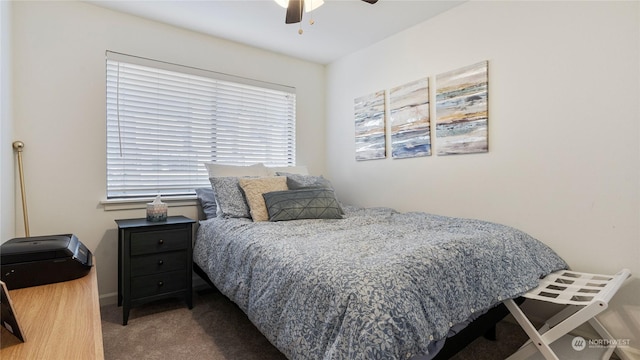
(199, 284)
(109, 299)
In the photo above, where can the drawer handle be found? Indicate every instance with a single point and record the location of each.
(160, 283)
(160, 241)
(160, 262)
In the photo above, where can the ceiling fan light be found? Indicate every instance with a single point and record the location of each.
(310, 5)
(283, 3)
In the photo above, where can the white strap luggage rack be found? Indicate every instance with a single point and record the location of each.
(586, 295)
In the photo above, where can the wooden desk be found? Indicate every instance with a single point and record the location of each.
(59, 321)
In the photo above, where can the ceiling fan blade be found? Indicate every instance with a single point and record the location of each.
(294, 11)
(371, 1)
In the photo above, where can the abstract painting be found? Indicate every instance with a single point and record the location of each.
(370, 127)
(410, 124)
(462, 111)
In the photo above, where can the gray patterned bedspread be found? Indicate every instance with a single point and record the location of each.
(377, 284)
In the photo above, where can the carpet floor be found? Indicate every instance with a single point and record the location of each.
(217, 329)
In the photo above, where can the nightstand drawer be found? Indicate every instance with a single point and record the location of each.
(143, 286)
(156, 263)
(156, 241)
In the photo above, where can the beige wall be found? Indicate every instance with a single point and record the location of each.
(7, 208)
(59, 110)
(564, 136)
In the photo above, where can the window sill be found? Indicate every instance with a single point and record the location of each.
(141, 203)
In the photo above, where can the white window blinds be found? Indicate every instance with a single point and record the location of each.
(164, 121)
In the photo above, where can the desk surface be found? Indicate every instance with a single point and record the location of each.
(58, 321)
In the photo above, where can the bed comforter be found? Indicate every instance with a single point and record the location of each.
(377, 284)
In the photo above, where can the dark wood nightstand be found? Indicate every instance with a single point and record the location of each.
(154, 261)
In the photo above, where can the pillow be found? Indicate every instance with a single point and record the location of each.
(297, 181)
(219, 170)
(207, 201)
(301, 170)
(229, 197)
(302, 204)
(253, 190)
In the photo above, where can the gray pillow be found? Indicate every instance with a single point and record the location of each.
(297, 181)
(302, 204)
(229, 197)
(207, 201)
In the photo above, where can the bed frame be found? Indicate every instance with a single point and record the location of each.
(484, 325)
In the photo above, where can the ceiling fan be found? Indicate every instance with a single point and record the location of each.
(295, 8)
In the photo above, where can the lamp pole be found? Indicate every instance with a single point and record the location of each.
(18, 146)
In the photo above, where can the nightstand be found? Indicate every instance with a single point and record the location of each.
(154, 261)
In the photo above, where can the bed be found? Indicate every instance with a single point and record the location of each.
(368, 283)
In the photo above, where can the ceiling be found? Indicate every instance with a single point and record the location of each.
(341, 26)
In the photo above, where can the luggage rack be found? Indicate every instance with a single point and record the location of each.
(585, 296)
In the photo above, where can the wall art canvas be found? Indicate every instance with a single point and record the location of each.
(462, 111)
(370, 126)
(410, 123)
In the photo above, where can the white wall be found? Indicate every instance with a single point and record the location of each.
(59, 110)
(7, 226)
(564, 137)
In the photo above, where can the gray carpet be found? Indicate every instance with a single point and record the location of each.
(216, 329)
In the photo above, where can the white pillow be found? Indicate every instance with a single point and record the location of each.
(218, 170)
(300, 170)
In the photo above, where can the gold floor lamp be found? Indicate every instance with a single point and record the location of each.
(17, 147)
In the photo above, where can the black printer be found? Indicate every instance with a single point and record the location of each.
(40, 260)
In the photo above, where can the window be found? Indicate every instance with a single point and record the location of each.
(164, 121)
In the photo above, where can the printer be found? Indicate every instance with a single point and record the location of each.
(40, 260)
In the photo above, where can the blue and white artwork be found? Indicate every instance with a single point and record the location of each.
(462, 111)
(370, 127)
(410, 122)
